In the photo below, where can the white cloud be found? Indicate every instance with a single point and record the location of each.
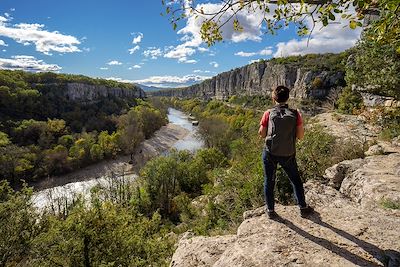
(134, 49)
(119, 80)
(187, 61)
(114, 63)
(264, 52)
(104, 68)
(138, 38)
(153, 52)
(202, 49)
(27, 63)
(180, 51)
(245, 54)
(214, 64)
(2, 43)
(44, 41)
(135, 67)
(201, 71)
(250, 21)
(172, 81)
(332, 38)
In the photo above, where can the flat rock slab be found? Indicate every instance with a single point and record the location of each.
(368, 181)
(340, 233)
(347, 126)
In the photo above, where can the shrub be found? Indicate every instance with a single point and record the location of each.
(390, 204)
(317, 83)
(375, 66)
(349, 101)
(17, 224)
(390, 123)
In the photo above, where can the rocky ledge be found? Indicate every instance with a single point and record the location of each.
(88, 92)
(350, 226)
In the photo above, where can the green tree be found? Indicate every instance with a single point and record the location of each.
(4, 139)
(215, 133)
(56, 160)
(160, 178)
(375, 67)
(109, 143)
(131, 126)
(96, 153)
(349, 101)
(17, 224)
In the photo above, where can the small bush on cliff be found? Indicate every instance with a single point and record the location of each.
(349, 101)
(390, 204)
(390, 123)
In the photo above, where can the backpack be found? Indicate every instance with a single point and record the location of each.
(281, 131)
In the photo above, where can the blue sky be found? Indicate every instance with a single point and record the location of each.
(128, 40)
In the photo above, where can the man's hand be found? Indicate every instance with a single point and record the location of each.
(262, 131)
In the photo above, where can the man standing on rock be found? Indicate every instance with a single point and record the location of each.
(281, 126)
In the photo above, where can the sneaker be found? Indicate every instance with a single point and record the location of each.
(304, 212)
(272, 214)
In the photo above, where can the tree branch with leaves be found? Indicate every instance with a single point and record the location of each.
(276, 14)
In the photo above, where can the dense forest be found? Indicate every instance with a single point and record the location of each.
(42, 133)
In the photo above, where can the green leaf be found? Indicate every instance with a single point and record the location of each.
(353, 25)
(324, 21)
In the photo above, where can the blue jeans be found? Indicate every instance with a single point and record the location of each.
(289, 165)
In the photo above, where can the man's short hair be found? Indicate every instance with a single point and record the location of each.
(280, 94)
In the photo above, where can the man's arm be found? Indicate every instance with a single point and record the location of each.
(262, 131)
(300, 132)
(299, 126)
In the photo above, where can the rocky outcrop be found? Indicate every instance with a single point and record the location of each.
(347, 126)
(349, 228)
(88, 92)
(258, 79)
(371, 100)
(368, 181)
(339, 234)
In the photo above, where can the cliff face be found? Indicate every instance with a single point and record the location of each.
(258, 79)
(88, 92)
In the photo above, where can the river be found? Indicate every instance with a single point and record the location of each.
(57, 191)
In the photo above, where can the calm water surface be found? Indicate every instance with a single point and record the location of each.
(191, 142)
